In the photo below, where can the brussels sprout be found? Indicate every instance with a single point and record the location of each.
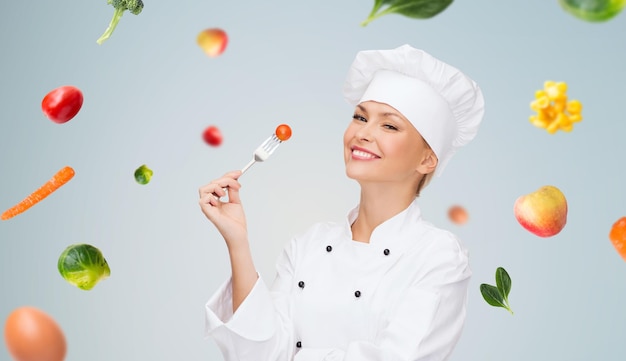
(83, 265)
(143, 174)
(593, 10)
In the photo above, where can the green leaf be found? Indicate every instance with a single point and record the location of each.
(498, 296)
(418, 9)
(593, 10)
(492, 295)
(503, 281)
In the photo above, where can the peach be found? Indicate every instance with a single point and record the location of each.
(213, 41)
(542, 212)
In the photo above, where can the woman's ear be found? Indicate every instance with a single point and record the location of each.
(429, 162)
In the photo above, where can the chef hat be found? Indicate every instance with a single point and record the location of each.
(443, 104)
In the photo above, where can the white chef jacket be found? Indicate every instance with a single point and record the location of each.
(400, 297)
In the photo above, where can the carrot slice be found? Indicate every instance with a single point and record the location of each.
(60, 178)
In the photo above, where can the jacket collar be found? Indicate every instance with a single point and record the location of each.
(394, 232)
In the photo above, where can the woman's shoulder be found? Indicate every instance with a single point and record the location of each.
(436, 239)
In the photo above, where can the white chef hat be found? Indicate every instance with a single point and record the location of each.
(443, 104)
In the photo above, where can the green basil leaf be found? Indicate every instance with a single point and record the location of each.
(492, 295)
(418, 9)
(503, 281)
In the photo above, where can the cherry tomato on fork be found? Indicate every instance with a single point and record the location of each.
(283, 132)
(62, 104)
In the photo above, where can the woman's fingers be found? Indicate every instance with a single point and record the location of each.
(221, 187)
(229, 180)
(233, 195)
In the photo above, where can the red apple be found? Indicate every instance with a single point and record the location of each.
(213, 41)
(542, 212)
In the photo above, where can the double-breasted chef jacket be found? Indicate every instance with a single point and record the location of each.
(400, 297)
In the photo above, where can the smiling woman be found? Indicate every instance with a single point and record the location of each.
(398, 149)
(384, 284)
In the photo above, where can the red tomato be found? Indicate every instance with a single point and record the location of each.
(283, 132)
(213, 136)
(62, 104)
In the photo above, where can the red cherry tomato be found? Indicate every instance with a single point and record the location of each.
(213, 136)
(283, 132)
(62, 104)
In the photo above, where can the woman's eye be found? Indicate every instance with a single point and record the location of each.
(359, 118)
(390, 127)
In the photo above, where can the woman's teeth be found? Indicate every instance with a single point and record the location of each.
(362, 154)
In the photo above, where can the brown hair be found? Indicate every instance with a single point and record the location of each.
(424, 182)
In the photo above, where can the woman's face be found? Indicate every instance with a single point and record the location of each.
(381, 145)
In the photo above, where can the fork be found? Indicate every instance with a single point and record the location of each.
(263, 151)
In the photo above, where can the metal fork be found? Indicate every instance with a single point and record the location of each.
(263, 151)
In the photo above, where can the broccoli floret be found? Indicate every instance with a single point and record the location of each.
(134, 6)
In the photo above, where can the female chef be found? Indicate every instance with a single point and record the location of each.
(384, 284)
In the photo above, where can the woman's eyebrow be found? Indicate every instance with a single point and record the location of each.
(362, 108)
(391, 115)
(394, 115)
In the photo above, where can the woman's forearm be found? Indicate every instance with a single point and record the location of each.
(244, 275)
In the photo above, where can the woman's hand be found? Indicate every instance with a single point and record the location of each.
(227, 216)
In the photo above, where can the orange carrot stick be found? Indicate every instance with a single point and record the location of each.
(60, 178)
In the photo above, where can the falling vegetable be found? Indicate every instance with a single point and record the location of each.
(60, 178)
(593, 10)
(283, 132)
(213, 136)
(498, 296)
(83, 266)
(62, 104)
(417, 9)
(134, 6)
(143, 174)
(617, 236)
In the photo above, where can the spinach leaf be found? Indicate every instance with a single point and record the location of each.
(503, 281)
(498, 296)
(418, 9)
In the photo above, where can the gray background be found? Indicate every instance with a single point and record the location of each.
(150, 92)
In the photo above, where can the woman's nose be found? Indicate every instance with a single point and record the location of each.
(364, 133)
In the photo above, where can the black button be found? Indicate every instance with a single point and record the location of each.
(357, 293)
(298, 344)
(386, 252)
(301, 284)
(329, 248)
